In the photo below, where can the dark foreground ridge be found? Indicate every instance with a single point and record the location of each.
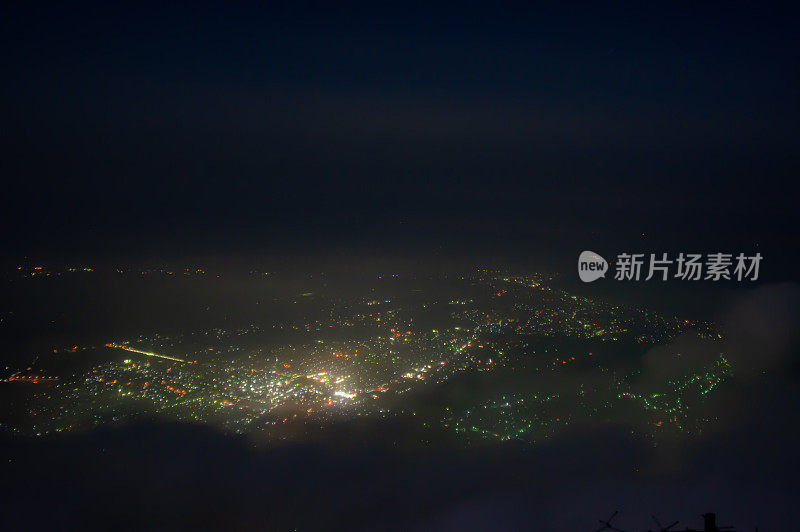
(180, 477)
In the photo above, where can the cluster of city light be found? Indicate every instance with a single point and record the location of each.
(331, 373)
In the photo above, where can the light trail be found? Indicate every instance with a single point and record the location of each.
(147, 353)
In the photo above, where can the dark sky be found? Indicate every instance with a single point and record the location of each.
(187, 130)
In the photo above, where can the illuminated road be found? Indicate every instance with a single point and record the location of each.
(147, 353)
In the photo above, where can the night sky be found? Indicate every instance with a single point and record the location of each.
(194, 131)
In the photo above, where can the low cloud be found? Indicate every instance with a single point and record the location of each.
(758, 332)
